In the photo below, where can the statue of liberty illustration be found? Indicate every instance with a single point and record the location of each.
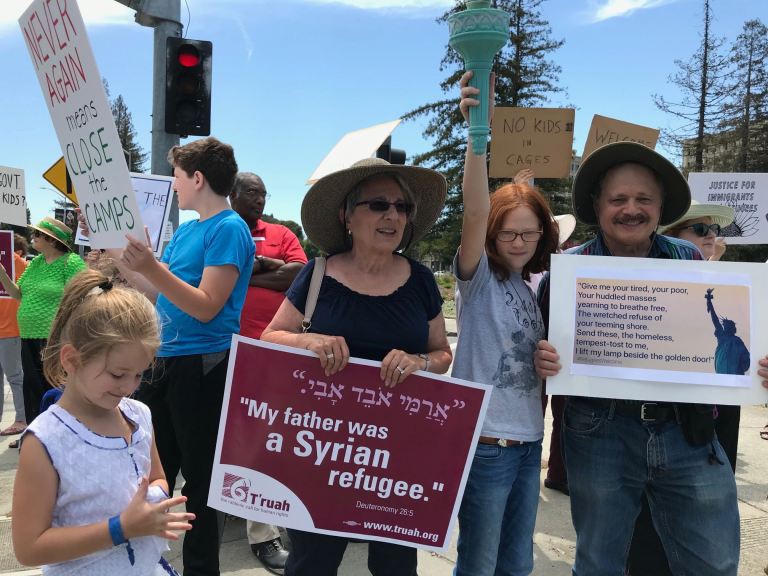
(731, 354)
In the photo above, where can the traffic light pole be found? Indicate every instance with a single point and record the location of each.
(165, 17)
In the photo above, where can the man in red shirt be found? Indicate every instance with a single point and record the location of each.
(279, 258)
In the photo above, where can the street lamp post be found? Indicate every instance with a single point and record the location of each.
(165, 17)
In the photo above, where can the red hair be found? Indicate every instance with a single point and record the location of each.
(510, 197)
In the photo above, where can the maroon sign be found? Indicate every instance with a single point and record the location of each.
(6, 257)
(343, 455)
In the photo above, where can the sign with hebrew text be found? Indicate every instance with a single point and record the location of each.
(343, 455)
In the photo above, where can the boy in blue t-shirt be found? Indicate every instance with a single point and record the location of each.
(200, 285)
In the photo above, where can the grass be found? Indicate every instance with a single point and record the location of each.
(447, 285)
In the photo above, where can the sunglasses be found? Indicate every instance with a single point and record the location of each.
(701, 229)
(383, 206)
(527, 236)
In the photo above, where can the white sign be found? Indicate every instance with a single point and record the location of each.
(153, 195)
(746, 193)
(72, 88)
(13, 201)
(352, 147)
(663, 330)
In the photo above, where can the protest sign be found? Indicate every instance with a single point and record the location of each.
(154, 195)
(342, 455)
(651, 329)
(746, 193)
(6, 257)
(606, 130)
(68, 216)
(537, 138)
(73, 91)
(13, 201)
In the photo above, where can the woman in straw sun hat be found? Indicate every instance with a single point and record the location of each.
(39, 290)
(701, 226)
(374, 303)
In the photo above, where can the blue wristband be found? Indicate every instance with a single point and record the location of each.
(116, 531)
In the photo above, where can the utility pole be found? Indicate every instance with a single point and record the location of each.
(165, 17)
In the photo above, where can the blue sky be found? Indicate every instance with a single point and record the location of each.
(290, 77)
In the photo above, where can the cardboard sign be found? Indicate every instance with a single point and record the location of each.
(746, 193)
(13, 200)
(6, 258)
(73, 91)
(154, 195)
(343, 455)
(606, 130)
(658, 330)
(537, 138)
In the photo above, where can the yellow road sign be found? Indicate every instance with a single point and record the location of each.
(58, 176)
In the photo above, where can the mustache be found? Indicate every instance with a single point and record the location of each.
(631, 220)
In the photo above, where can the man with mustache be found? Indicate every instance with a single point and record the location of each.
(618, 452)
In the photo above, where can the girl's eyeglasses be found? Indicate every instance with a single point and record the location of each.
(383, 206)
(527, 236)
(701, 229)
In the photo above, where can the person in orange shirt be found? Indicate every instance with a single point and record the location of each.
(10, 344)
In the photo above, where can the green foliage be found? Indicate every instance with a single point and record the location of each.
(293, 226)
(136, 156)
(525, 76)
(744, 130)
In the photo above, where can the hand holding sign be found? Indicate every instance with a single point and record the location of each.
(763, 371)
(137, 255)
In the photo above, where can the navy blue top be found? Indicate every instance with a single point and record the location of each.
(373, 325)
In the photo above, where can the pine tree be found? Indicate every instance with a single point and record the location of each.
(699, 111)
(135, 155)
(525, 76)
(746, 121)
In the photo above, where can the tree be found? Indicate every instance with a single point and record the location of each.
(292, 225)
(136, 156)
(746, 117)
(525, 76)
(700, 108)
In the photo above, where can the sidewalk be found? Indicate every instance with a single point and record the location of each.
(554, 539)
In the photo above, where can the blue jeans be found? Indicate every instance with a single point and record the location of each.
(612, 459)
(498, 512)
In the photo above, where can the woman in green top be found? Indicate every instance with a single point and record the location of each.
(39, 290)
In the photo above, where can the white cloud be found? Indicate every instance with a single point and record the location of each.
(616, 8)
(94, 12)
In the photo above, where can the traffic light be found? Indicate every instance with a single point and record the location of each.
(391, 155)
(188, 86)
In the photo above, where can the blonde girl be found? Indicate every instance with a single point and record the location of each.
(90, 496)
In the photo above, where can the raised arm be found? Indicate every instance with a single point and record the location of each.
(202, 302)
(711, 309)
(477, 203)
(9, 285)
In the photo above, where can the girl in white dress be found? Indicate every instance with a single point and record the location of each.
(90, 496)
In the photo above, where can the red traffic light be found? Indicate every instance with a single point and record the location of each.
(188, 56)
